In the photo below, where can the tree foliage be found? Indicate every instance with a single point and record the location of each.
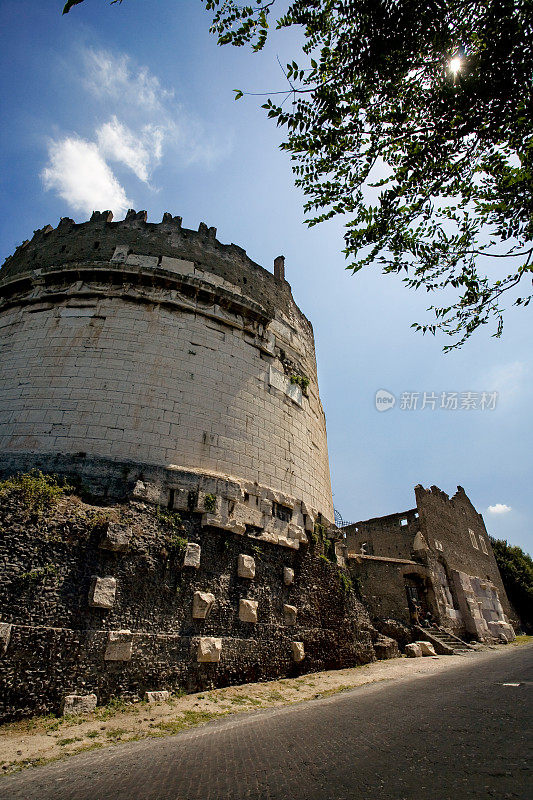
(516, 568)
(431, 167)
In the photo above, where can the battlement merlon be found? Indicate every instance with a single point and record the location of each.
(96, 241)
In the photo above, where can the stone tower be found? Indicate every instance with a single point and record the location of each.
(154, 357)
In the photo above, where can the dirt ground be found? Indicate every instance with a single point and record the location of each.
(39, 740)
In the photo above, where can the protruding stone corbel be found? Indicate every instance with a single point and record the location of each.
(119, 646)
(246, 567)
(248, 610)
(202, 604)
(298, 652)
(209, 650)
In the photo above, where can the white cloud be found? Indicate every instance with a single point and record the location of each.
(79, 174)
(144, 125)
(499, 508)
(138, 152)
(114, 76)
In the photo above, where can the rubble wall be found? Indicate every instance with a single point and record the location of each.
(106, 600)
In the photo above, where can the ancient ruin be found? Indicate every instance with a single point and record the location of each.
(434, 558)
(171, 382)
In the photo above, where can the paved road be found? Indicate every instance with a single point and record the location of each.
(458, 734)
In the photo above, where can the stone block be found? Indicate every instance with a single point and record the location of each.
(288, 576)
(74, 704)
(246, 567)
(119, 646)
(209, 650)
(426, 648)
(5, 636)
(202, 604)
(192, 555)
(385, 647)
(102, 592)
(289, 613)
(248, 610)
(298, 651)
(413, 650)
(157, 697)
(116, 538)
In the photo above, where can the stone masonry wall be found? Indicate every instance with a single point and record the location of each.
(459, 528)
(107, 600)
(150, 343)
(391, 536)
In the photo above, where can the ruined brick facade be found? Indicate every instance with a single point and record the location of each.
(437, 555)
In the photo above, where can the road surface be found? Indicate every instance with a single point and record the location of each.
(459, 734)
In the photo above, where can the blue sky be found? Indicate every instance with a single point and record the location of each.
(132, 106)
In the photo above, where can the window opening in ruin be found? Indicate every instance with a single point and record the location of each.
(416, 514)
(246, 497)
(283, 513)
(96, 245)
(473, 539)
(254, 530)
(364, 548)
(403, 522)
(483, 545)
(192, 500)
(171, 498)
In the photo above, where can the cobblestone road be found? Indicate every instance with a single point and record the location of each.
(458, 734)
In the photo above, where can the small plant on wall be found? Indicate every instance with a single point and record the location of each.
(210, 503)
(302, 381)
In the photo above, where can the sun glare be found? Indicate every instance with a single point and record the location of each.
(455, 65)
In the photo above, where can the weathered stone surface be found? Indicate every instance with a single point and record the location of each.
(202, 604)
(298, 651)
(5, 636)
(74, 704)
(246, 566)
(158, 696)
(209, 650)
(116, 538)
(248, 610)
(426, 648)
(288, 576)
(192, 555)
(102, 592)
(51, 615)
(119, 646)
(289, 614)
(413, 650)
(386, 647)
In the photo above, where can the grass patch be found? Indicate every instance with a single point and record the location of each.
(115, 706)
(64, 742)
(187, 720)
(523, 639)
(38, 492)
(116, 733)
